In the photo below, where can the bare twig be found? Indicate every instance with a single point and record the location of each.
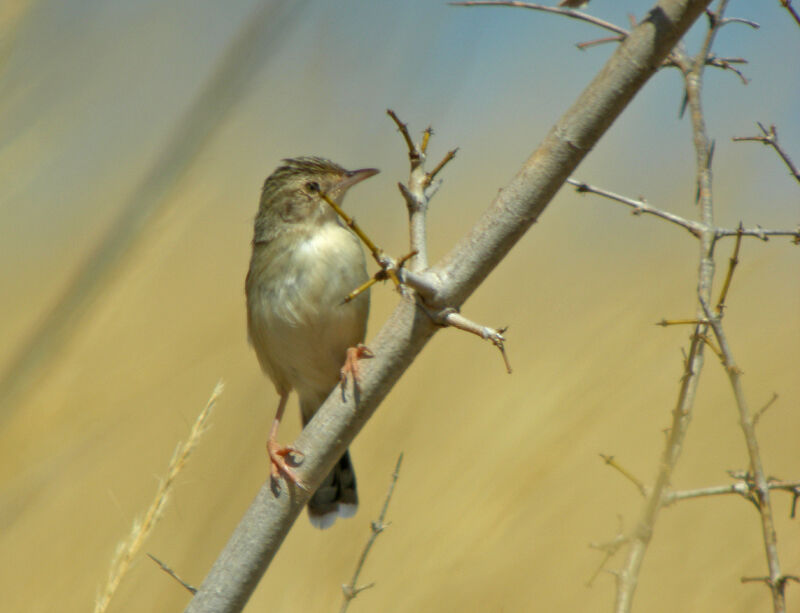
(610, 549)
(696, 228)
(627, 577)
(548, 9)
(432, 174)
(732, 263)
(760, 486)
(742, 487)
(762, 410)
(758, 232)
(418, 192)
(599, 41)
(770, 138)
(787, 4)
(127, 549)
(451, 317)
(414, 154)
(768, 581)
(640, 206)
(680, 322)
(711, 345)
(726, 63)
(350, 590)
(745, 22)
(192, 589)
(609, 459)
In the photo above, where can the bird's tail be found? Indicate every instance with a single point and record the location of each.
(336, 497)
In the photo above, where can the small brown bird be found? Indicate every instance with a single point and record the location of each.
(304, 263)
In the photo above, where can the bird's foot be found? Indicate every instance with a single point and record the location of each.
(281, 463)
(352, 368)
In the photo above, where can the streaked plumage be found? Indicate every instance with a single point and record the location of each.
(304, 263)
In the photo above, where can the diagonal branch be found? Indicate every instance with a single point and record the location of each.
(639, 207)
(692, 69)
(760, 488)
(266, 523)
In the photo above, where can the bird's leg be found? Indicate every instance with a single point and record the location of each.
(278, 453)
(351, 368)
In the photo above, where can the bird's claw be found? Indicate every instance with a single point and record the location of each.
(281, 465)
(352, 368)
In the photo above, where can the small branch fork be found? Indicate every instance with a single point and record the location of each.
(770, 139)
(417, 192)
(411, 270)
(696, 228)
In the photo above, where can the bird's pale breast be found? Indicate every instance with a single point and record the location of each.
(297, 322)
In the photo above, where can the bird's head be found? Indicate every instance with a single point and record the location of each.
(293, 191)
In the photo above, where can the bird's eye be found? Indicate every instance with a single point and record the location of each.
(312, 186)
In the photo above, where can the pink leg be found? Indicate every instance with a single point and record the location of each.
(277, 452)
(351, 368)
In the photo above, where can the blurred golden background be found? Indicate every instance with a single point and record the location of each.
(173, 113)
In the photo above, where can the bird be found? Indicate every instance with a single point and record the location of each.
(304, 262)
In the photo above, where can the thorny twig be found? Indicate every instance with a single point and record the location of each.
(696, 228)
(417, 194)
(761, 492)
(770, 138)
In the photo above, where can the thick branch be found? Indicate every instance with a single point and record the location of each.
(266, 523)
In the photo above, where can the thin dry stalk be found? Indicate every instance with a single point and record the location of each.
(350, 590)
(130, 547)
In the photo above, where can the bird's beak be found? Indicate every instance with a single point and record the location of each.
(352, 177)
